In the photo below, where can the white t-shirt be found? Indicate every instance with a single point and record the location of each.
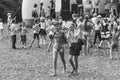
(1, 25)
(43, 25)
(13, 29)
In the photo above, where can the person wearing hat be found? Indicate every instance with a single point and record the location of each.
(58, 48)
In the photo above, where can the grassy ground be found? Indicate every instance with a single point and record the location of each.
(36, 63)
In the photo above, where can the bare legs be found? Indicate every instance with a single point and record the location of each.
(74, 63)
(55, 56)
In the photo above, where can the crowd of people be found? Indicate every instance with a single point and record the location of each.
(80, 35)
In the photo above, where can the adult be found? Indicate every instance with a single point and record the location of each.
(80, 7)
(114, 7)
(107, 6)
(52, 9)
(35, 13)
(96, 6)
(42, 10)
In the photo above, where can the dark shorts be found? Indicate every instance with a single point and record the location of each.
(36, 35)
(75, 49)
(43, 32)
(51, 36)
(74, 52)
(23, 38)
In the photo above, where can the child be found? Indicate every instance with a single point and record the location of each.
(13, 29)
(9, 20)
(105, 33)
(1, 28)
(43, 31)
(36, 30)
(115, 42)
(74, 52)
(58, 48)
(23, 34)
(51, 37)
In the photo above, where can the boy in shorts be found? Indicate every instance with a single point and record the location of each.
(23, 32)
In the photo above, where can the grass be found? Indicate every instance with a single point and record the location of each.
(36, 63)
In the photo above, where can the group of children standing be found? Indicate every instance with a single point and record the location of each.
(77, 35)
